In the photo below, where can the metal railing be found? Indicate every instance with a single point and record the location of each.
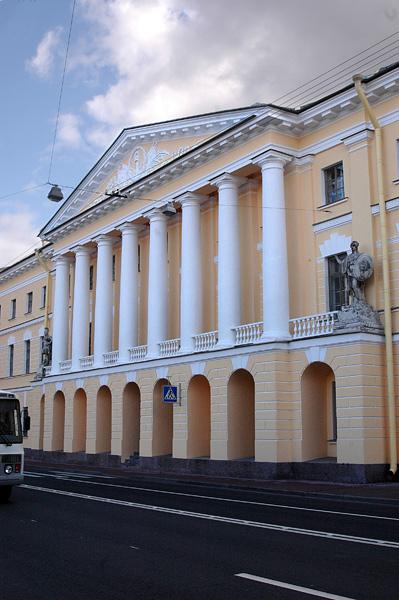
(137, 353)
(111, 358)
(205, 341)
(313, 325)
(250, 333)
(169, 347)
(65, 365)
(86, 362)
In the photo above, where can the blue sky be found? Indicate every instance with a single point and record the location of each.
(138, 61)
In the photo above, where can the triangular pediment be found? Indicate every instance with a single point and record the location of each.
(139, 151)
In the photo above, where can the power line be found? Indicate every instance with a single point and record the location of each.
(61, 91)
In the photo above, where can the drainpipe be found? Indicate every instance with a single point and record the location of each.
(393, 451)
(45, 266)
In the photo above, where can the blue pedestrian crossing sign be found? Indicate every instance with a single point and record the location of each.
(169, 393)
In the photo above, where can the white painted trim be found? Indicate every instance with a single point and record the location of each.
(21, 326)
(331, 223)
(392, 204)
(23, 284)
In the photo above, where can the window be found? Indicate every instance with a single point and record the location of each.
(27, 356)
(90, 336)
(113, 267)
(29, 302)
(336, 283)
(43, 297)
(91, 275)
(13, 308)
(11, 360)
(334, 183)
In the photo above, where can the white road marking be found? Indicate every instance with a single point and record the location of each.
(289, 586)
(134, 547)
(216, 498)
(229, 520)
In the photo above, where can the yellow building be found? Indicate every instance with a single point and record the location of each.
(201, 253)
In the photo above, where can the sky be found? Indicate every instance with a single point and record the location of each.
(132, 62)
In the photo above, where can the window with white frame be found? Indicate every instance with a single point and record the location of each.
(27, 356)
(337, 296)
(29, 302)
(13, 308)
(11, 360)
(334, 190)
(43, 296)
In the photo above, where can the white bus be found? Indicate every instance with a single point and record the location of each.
(11, 448)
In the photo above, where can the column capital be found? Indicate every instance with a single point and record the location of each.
(62, 259)
(226, 180)
(104, 240)
(82, 250)
(127, 228)
(191, 199)
(272, 159)
(156, 215)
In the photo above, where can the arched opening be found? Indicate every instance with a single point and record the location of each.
(319, 418)
(41, 421)
(131, 420)
(103, 419)
(199, 417)
(162, 421)
(79, 421)
(58, 421)
(241, 415)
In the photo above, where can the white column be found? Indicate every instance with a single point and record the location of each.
(61, 313)
(157, 283)
(274, 243)
(103, 310)
(81, 306)
(191, 271)
(128, 304)
(229, 288)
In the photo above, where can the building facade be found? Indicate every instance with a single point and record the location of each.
(202, 253)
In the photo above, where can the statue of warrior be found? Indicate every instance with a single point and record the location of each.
(357, 267)
(47, 344)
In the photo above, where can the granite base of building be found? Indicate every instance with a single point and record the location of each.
(326, 470)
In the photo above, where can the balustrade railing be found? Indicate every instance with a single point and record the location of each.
(205, 341)
(169, 347)
(250, 333)
(138, 352)
(313, 325)
(86, 362)
(111, 358)
(47, 371)
(65, 365)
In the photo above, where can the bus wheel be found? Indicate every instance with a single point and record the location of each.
(5, 492)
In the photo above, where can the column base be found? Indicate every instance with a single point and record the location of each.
(276, 336)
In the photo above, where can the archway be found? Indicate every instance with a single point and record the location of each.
(199, 417)
(319, 420)
(162, 421)
(79, 421)
(41, 421)
(103, 419)
(131, 420)
(58, 421)
(241, 415)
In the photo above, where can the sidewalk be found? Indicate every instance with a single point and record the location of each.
(384, 492)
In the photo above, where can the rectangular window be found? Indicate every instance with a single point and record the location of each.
(334, 183)
(43, 297)
(90, 336)
(91, 275)
(336, 283)
(13, 308)
(11, 360)
(29, 302)
(113, 267)
(27, 356)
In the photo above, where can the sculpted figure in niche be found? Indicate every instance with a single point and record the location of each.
(357, 267)
(47, 343)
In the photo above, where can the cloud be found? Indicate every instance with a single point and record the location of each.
(68, 133)
(42, 62)
(18, 235)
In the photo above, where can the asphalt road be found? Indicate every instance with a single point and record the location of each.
(71, 535)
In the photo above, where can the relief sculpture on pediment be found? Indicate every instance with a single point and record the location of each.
(139, 162)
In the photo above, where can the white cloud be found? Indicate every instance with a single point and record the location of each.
(42, 62)
(17, 235)
(68, 133)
